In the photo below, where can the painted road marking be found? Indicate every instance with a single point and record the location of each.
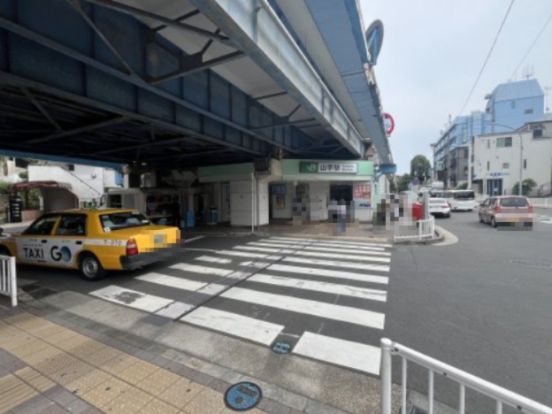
(233, 324)
(338, 274)
(350, 243)
(212, 289)
(332, 288)
(335, 263)
(263, 249)
(247, 254)
(255, 265)
(340, 352)
(212, 259)
(174, 310)
(172, 281)
(310, 307)
(338, 249)
(206, 270)
(362, 258)
(193, 239)
(132, 298)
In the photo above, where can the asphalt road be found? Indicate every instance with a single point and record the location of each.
(483, 304)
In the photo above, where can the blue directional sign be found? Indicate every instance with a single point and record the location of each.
(242, 396)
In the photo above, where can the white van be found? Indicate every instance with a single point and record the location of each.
(462, 200)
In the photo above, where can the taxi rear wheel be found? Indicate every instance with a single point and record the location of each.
(4, 251)
(90, 267)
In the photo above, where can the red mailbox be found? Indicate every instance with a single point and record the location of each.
(417, 211)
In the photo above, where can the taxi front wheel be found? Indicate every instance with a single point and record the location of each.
(90, 267)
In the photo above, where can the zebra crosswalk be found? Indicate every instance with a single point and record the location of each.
(326, 298)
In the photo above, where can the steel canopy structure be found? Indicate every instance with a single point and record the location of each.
(166, 83)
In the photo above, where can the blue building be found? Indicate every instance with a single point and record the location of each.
(510, 106)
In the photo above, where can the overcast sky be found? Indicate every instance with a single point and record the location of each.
(432, 51)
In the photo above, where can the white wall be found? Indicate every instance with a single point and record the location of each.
(87, 182)
(537, 152)
(240, 203)
(319, 192)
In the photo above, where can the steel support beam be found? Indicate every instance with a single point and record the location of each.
(51, 44)
(194, 64)
(270, 95)
(179, 19)
(19, 82)
(136, 12)
(88, 128)
(41, 109)
(286, 122)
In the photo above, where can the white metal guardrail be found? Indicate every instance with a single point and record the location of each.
(406, 230)
(8, 278)
(501, 396)
(541, 202)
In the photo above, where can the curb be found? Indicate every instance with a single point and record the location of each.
(435, 239)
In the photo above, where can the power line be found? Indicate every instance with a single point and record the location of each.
(487, 57)
(539, 34)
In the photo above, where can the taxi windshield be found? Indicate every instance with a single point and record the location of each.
(124, 220)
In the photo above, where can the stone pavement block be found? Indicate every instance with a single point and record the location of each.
(136, 372)
(41, 356)
(10, 362)
(71, 372)
(87, 382)
(14, 392)
(78, 406)
(87, 348)
(101, 395)
(206, 402)
(48, 331)
(181, 392)
(102, 356)
(57, 362)
(61, 337)
(73, 342)
(30, 347)
(158, 381)
(156, 406)
(60, 395)
(119, 364)
(129, 401)
(35, 405)
(34, 379)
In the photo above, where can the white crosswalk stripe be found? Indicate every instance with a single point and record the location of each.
(303, 272)
(333, 288)
(310, 307)
(349, 354)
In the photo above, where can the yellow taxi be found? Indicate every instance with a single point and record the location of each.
(92, 240)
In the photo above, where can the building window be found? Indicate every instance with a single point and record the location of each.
(529, 111)
(488, 144)
(505, 165)
(537, 133)
(513, 104)
(488, 165)
(525, 164)
(504, 142)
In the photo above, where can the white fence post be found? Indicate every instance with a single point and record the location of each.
(13, 281)
(386, 380)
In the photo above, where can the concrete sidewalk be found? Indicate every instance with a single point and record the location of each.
(48, 368)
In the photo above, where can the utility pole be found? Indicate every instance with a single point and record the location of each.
(520, 192)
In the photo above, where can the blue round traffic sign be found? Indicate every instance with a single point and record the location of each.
(242, 396)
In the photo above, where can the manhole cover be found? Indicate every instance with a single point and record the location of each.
(242, 396)
(281, 347)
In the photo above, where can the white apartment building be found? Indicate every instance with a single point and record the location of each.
(499, 160)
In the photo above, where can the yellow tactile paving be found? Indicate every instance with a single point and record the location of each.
(181, 392)
(129, 401)
(16, 393)
(34, 379)
(207, 401)
(101, 395)
(105, 377)
(71, 372)
(158, 381)
(137, 372)
(87, 382)
(156, 406)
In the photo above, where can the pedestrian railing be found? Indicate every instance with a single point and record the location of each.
(501, 396)
(405, 230)
(8, 278)
(541, 202)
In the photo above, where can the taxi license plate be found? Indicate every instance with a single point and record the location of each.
(159, 239)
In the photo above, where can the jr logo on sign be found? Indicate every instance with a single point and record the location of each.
(60, 254)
